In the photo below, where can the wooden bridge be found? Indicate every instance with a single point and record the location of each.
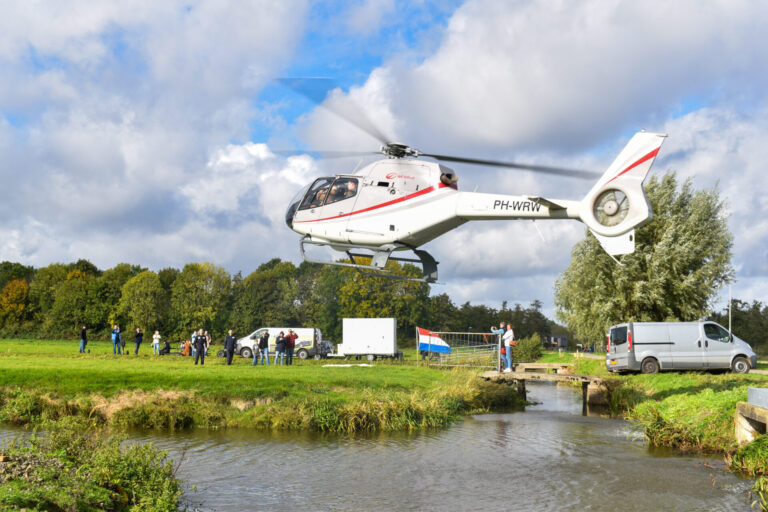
(592, 388)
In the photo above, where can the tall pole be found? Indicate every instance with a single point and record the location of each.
(730, 302)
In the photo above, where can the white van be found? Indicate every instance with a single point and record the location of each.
(308, 344)
(653, 346)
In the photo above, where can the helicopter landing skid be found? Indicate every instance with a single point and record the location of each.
(378, 259)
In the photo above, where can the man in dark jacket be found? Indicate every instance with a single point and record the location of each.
(290, 344)
(199, 343)
(229, 345)
(138, 337)
(83, 340)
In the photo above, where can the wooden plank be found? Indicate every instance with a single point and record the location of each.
(551, 377)
(542, 366)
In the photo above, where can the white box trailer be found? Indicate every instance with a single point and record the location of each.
(370, 338)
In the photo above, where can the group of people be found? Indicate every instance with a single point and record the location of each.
(508, 342)
(118, 341)
(284, 345)
(199, 341)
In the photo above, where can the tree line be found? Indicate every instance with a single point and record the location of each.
(55, 300)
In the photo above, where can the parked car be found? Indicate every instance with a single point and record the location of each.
(308, 344)
(653, 346)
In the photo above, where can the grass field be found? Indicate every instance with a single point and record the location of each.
(51, 379)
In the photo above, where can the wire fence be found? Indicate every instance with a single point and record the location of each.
(480, 350)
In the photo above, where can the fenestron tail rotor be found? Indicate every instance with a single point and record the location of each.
(611, 207)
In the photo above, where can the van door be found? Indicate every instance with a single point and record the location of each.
(618, 356)
(687, 346)
(717, 346)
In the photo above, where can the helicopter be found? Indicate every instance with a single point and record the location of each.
(401, 202)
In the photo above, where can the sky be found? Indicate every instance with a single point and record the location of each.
(154, 133)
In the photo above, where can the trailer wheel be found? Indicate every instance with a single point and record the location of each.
(302, 354)
(371, 357)
(246, 352)
(740, 365)
(650, 365)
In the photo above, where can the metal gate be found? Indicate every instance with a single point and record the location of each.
(480, 350)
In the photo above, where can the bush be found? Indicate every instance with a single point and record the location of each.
(74, 466)
(528, 349)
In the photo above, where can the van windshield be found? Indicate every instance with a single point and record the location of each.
(619, 335)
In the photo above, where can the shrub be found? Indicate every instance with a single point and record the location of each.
(528, 349)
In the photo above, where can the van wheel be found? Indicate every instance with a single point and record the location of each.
(740, 365)
(303, 354)
(246, 352)
(650, 365)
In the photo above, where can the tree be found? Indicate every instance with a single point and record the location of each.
(682, 257)
(143, 302)
(13, 302)
(104, 295)
(10, 271)
(42, 288)
(199, 296)
(67, 313)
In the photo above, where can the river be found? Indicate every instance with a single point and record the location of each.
(549, 457)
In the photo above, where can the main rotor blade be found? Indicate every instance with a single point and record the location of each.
(326, 154)
(537, 168)
(323, 92)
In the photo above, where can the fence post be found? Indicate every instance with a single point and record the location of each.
(498, 353)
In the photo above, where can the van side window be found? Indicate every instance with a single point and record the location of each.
(619, 335)
(717, 333)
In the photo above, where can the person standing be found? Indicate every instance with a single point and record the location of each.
(156, 342)
(116, 340)
(83, 340)
(509, 342)
(500, 332)
(280, 348)
(207, 342)
(229, 346)
(138, 337)
(264, 347)
(290, 344)
(199, 343)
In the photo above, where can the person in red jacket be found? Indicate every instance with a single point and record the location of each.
(290, 343)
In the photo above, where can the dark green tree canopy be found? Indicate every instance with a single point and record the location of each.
(681, 259)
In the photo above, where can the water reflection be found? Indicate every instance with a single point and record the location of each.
(547, 458)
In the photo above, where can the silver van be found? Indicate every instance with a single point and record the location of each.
(308, 344)
(653, 346)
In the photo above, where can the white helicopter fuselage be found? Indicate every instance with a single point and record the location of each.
(407, 202)
(400, 204)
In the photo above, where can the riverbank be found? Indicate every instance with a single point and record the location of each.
(50, 380)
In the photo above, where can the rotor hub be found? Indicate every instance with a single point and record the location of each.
(399, 150)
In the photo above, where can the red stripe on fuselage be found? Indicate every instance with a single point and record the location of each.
(382, 205)
(647, 157)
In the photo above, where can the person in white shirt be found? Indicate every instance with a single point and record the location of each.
(509, 340)
(156, 342)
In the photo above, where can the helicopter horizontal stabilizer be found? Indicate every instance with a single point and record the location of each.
(552, 205)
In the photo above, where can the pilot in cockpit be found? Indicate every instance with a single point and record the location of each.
(351, 188)
(319, 198)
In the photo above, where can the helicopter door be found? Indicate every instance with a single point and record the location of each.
(340, 204)
(326, 207)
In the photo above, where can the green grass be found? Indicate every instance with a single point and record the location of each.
(49, 379)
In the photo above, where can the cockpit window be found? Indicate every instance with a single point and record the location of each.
(342, 188)
(317, 193)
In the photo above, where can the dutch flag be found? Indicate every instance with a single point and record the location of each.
(429, 341)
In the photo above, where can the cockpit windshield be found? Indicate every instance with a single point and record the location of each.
(326, 191)
(317, 193)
